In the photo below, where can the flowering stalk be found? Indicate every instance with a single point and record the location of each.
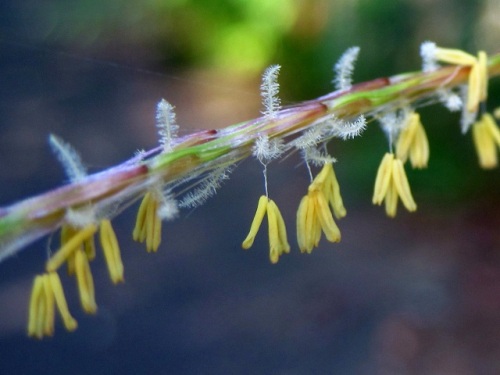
(201, 152)
(184, 172)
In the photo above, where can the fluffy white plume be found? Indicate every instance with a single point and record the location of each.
(68, 157)
(269, 90)
(166, 124)
(208, 188)
(428, 54)
(349, 130)
(266, 149)
(344, 68)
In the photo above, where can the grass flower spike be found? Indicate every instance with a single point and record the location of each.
(278, 243)
(391, 183)
(183, 171)
(412, 142)
(486, 137)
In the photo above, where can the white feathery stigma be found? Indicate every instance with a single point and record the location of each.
(269, 90)
(168, 209)
(344, 68)
(350, 129)
(266, 149)
(166, 124)
(207, 189)
(317, 157)
(69, 158)
(428, 54)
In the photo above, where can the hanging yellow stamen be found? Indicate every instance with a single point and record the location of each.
(69, 247)
(85, 282)
(50, 312)
(278, 243)
(69, 322)
(67, 232)
(327, 181)
(413, 142)
(314, 215)
(256, 222)
(391, 182)
(482, 62)
(486, 136)
(148, 223)
(47, 293)
(36, 311)
(111, 250)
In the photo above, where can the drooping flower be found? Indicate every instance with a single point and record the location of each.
(391, 183)
(278, 243)
(314, 215)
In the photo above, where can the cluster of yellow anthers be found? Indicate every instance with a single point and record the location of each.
(148, 222)
(313, 216)
(391, 182)
(77, 249)
(278, 242)
(412, 142)
(485, 131)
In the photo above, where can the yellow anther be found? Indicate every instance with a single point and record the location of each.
(391, 182)
(148, 223)
(332, 232)
(139, 234)
(69, 322)
(327, 182)
(301, 223)
(69, 247)
(413, 142)
(486, 136)
(278, 243)
(50, 312)
(482, 61)
(67, 232)
(85, 282)
(454, 56)
(111, 250)
(383, 179)
(36, 318)
(256, 222)
(402, 186)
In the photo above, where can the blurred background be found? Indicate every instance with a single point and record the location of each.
(419, 294)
